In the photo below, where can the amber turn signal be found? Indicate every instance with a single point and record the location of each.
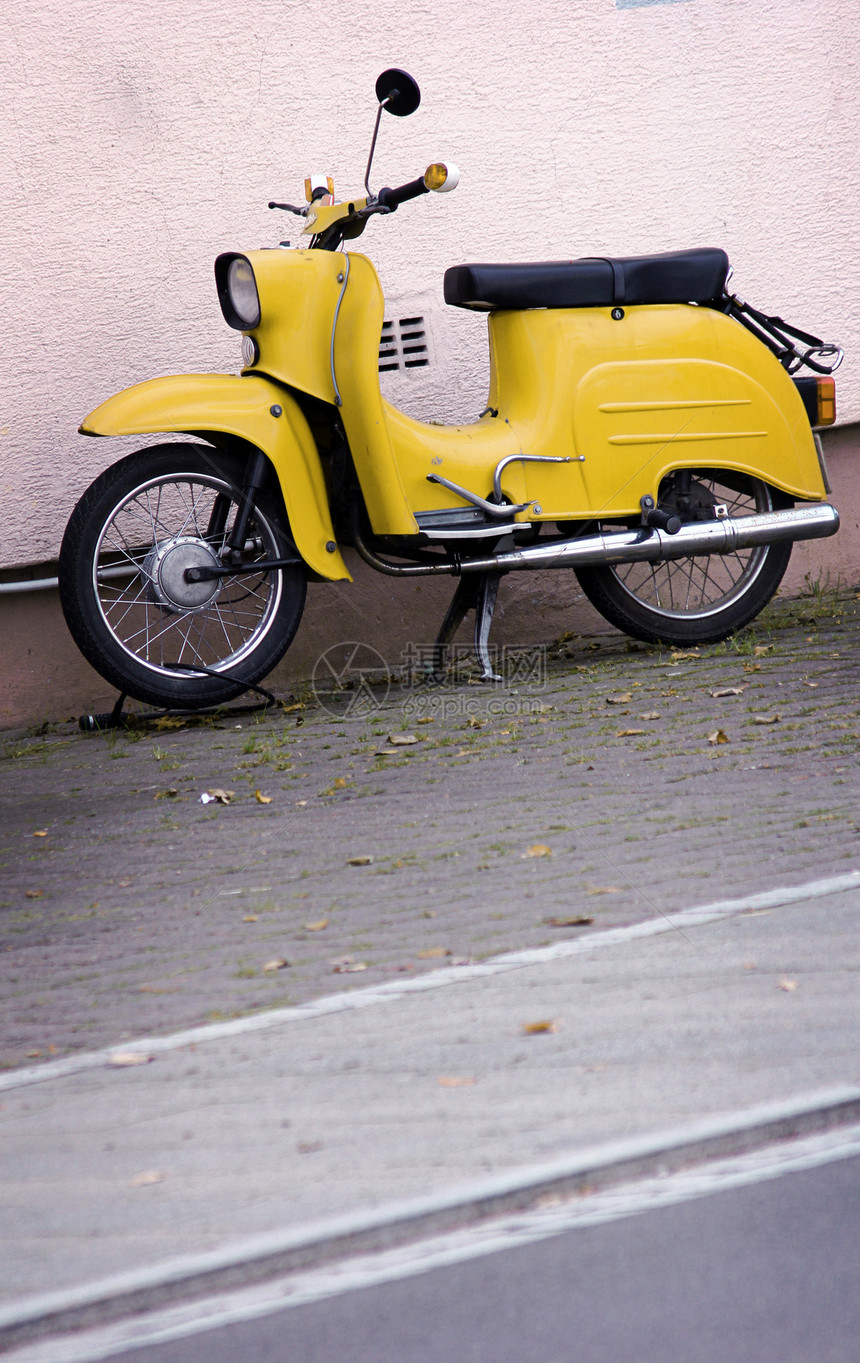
(442, 177)
(826, 401)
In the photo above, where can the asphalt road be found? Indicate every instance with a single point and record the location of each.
(766, 1273)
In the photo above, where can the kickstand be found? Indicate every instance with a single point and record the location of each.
(476, 592)
(114, 720)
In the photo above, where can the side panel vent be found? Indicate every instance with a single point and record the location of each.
(404, 345)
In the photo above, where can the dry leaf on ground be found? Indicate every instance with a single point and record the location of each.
(147, 1178)
(536, 1028)
(728, 691)
(619, 700)
(786, 985)
(651, 714)
(433, 953)
(277, 964)
(40, 833)
(765, 719)
(217, 796)
(455, 1081)
(360, 861)
(345, 965)
(537, 849)
(261, 798)
(718, 736)
(578, 920)
(679, 656)
(761, 649)
(629, 733)
(604, 889)
(33, 894)
(124, 1059)
(316, 926)
(402, 740)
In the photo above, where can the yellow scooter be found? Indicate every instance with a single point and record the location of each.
(644, 427)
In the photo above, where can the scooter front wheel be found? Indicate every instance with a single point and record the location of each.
(130, 609)
(703, 598)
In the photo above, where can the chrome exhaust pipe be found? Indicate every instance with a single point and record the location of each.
(645, 545)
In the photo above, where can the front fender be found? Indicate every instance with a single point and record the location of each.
(245, 407)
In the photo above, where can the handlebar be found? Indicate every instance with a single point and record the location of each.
(391, 198)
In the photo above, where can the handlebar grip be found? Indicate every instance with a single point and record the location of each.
(390, 198)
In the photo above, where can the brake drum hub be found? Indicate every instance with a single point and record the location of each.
(165, 566)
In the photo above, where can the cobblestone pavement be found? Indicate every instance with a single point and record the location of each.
(628, 783)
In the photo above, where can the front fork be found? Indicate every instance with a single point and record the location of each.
(255, 473)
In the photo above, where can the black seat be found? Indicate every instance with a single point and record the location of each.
(595, 282)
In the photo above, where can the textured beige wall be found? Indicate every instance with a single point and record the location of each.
(141, 137)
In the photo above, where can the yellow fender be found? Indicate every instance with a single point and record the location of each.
(256, 410)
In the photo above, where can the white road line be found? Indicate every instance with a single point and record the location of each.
(370, 1270)
(437, 979)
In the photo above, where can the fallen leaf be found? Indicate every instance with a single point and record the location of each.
(147, 1178)
(537, 849)
(652, 714)
(752, 667)
(217, 796)
(579, 920)
(455, 1081)
(123, 884)
(309, 1147)
(316, 926)
(346, 966)
(250, 918)
(765, 719)
(761, 649)
(402, 740)
(289, 709)
(261, 798)
(362, 860)
(787, 985)
(300, 804)
(340, 783)
(728, 691)
(40, 833)
(604, 889)
(811, 685)
(277, 964)
(427, 719)
(475, 723)
(619, 700)
(536, 1028)
(432, 953)
(679, 657)
(628, 733)
(33, 894)
(718, 736)
(124, 1059)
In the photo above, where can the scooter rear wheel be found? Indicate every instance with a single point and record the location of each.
(135, 618)
(701, 599)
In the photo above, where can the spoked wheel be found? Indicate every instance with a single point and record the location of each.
(703, 598)
(148, 631)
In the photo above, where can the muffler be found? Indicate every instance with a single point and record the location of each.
(645, 545)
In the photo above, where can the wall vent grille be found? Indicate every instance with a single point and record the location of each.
(403, 345)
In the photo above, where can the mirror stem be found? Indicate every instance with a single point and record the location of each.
(382, 104)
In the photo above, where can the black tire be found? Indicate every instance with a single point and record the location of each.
(154, 514)
(703, 598)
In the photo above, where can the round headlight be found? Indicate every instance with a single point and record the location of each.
(242, 290)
